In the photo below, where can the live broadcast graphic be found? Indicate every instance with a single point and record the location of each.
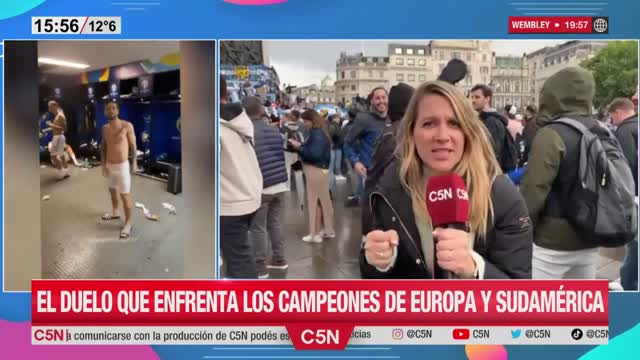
(429, 159)
(110, 154)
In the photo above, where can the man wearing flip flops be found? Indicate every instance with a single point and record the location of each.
(117, 149)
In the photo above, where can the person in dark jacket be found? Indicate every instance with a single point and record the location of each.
(440, 133)
(269, 217)
(367, 128)
(528, 132)
(353, 199)
(316, 157)
(293, 129)
(624, 118)
(333, 125)
(623, 115)
(559, 252)
(495, 122)
(384, 155)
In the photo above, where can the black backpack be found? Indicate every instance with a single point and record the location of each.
(510, 157)
(334, 132)
(602, 197)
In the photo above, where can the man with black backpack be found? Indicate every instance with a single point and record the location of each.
(577, 185)
(503, 144)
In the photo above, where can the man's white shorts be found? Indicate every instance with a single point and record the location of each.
(119, 177)
(58, 144)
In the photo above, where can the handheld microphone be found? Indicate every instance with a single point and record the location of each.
(448, 205)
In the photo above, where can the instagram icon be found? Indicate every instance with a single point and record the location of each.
(397, 334)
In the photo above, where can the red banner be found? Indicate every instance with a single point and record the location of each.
(288, 302)
(550, 25)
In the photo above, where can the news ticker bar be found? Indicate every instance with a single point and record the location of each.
(317, 338)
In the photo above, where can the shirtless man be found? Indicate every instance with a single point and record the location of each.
(59, 142)
(117, 149)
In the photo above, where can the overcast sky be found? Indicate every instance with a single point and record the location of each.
(306, 62)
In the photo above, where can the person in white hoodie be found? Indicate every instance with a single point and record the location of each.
(240, 187)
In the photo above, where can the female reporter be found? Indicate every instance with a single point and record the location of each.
(440, 133)
(316, 157)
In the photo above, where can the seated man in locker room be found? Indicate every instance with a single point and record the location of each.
(58, 143)
(117, 149)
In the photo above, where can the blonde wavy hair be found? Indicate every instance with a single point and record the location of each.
(478, 166)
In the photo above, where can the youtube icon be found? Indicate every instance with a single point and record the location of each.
(460, 334)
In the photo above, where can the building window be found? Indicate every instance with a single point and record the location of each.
(468, 56)
(517, 86)
(484, 69)
(422, 78)
(484, 57)
(411, 77)
(398, 51)
(441, 67)
(420, 51)
(353, 74)
(344, 88)
(411, 62)
(353, 88)
(399, 61)
(370, 73)
(342, 73)
(441, 55)
(422, 62)
(455, 55)
(400, 77)
(381, 74)
(409, 51)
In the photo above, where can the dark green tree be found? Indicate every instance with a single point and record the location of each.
(615, 69)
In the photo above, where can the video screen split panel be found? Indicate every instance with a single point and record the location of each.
(428, 159)
(125, 159)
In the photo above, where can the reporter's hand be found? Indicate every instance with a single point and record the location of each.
(360, 168)
(379, 246)
(453, 252)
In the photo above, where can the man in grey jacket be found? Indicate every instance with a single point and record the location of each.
(623, 115)
(624, 118)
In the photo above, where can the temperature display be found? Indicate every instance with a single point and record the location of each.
(76, 25)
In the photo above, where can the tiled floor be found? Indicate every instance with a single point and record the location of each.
(77, 244)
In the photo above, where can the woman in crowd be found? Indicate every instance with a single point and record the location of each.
(439, 134)
(316, 156)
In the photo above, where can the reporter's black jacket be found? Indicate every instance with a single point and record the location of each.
(506, 250)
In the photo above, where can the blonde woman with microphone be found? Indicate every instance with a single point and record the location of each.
(439, 134)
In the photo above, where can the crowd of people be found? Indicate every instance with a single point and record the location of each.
(536, 178)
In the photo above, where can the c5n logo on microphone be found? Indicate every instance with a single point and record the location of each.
(446, 194)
